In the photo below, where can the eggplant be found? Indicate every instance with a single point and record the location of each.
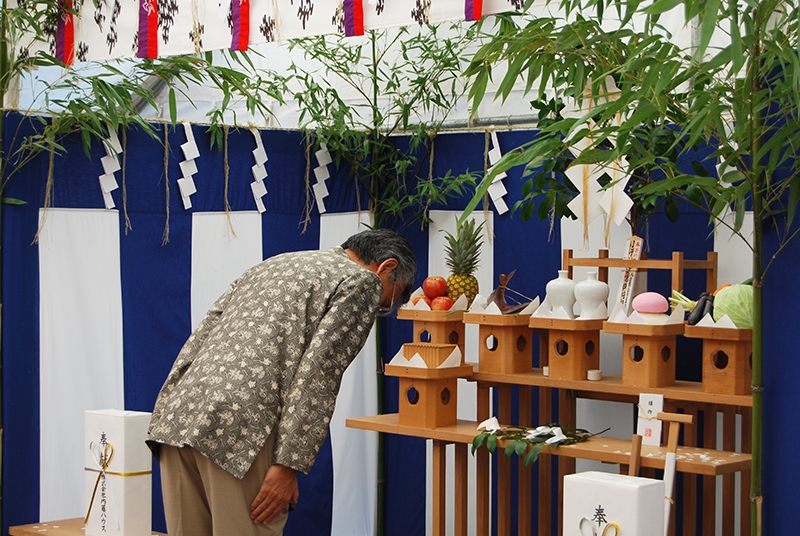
(699, 309)
(709, 307)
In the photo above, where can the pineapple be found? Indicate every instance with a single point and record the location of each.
(463, 251)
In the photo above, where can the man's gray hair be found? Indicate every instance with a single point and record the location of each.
(378, 245)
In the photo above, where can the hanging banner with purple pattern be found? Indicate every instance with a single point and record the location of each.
(65, 37)
(148, 29)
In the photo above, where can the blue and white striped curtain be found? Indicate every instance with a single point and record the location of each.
(94, 312)
(97, 308)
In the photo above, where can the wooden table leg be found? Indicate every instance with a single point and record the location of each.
(747, 446)
(544, 466)
(524, 473)
(503, 466)
(461, 522)
(439, 488)
(728, 480)
(566, 466)
(709, 482)
(690, 480)
(482, 514)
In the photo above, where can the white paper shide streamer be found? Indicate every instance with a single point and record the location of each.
(188, 167)
(259, 171)
(108, 183)
(497, 189)
(321, 174)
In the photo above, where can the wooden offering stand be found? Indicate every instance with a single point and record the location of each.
(573, 346)
(428, 396)
(505, 342)
(442, 327)
(727, 353)
(648, 352)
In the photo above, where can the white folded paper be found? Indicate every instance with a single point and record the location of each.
(618, 316)
(416, 361)
(724, 322)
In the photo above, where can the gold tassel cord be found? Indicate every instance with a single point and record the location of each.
(128, 225)
(307, 208)
(104, 461)
(165, 236)
(48, 196)
(227, 170)
(585, 188)
(487, 137)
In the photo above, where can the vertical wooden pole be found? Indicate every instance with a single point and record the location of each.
(709, 482)
(545, 466)
(482, 481)
(747, 440)
(566, 466)
(503, 466)
(439, 488)
(524, 473)
(460, 493)
(690, 480)
(728, 480)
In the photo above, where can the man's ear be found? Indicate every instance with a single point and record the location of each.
(388, 265)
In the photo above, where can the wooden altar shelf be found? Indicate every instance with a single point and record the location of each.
(693, 460)
(612, 384)
(66, 527)
(677, 265)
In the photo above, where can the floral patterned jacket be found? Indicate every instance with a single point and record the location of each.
(269, 357)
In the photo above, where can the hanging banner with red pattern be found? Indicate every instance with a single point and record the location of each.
(65, 34)
(240, 17)
(353, 17)
(473, 9)
(148, 29)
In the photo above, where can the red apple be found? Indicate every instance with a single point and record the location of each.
(418, 297)
(434, 285)
(441, 303)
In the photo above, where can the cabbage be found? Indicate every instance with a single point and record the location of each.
(736, 301)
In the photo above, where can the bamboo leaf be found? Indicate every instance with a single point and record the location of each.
(662, 6)
(794, 199)
(173, 107)
(708, 23)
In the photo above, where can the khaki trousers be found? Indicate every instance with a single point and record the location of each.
(202, 499)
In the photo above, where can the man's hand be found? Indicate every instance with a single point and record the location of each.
(279, 487)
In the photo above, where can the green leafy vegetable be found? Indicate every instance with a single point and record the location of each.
(736, 301)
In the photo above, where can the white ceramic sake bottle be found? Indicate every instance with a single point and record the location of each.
(590, 293)
(560, 293)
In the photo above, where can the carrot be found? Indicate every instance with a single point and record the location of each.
(721, 287)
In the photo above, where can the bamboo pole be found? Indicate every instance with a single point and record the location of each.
(4, 78)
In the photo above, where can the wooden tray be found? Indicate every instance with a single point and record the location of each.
(461, 371)
(564, 324)
(720, 334)
(496, 320)
(647, 330)
(430, 316)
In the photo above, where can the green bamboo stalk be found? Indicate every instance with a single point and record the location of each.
(757, 183)
(380, 492)
(4, 62)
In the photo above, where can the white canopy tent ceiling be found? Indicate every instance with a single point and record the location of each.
(109, 32)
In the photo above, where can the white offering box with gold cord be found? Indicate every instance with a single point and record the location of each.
(118, 473)
(608, 504)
